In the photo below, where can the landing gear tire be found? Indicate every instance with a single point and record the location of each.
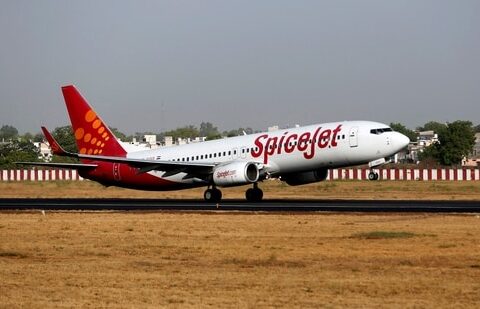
(254, 195)
(213, 195)
(373, 176)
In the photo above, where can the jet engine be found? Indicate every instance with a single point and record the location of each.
(235, 173)
(304, 178)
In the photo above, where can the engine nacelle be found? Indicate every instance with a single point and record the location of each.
(235, 173)
(304, 178)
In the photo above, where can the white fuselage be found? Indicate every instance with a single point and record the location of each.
(292, 150)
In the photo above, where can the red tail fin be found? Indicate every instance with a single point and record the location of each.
(92, 134)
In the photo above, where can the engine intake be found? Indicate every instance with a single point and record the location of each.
(235, 173)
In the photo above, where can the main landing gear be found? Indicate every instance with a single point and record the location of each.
(214, 195)
(254, 194)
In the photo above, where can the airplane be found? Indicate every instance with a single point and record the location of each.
(297, 156)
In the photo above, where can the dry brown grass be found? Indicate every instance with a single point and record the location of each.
(238, 260)
(412, 190)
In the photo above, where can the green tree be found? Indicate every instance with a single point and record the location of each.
(237, 132)
(430, 154)
(455, 142)
(184, 132)
(404, 130)
(213, 136)
(17, 151)
(435, 126)
(119, 134)
(8, 133)
(38, 137)
(230, 133)
(64, 136)
(207, 129)
(477, 128)
(27, 137)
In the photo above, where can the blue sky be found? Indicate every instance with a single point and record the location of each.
(158, 65)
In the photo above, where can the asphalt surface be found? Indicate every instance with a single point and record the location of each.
(239, 205)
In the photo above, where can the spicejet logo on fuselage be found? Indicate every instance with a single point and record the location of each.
(305, 142)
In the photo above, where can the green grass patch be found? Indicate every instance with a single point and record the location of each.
(383, 235)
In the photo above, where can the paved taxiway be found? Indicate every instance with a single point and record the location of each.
(240, 205)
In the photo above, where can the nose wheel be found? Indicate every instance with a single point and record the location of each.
(254, 194)
(213, 195)
(372, 175)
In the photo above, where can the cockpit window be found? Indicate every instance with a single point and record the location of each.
(380, 131)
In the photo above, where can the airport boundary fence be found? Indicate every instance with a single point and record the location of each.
(432, 174)
(463, 174)
(54, 174)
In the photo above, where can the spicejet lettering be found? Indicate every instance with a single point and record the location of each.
(306, 143)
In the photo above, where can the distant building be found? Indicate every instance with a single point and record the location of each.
(424, 139)
(45, 151)
(476, 148)
(474, 159)
(150, 141)
(273, 128)
(167, 141)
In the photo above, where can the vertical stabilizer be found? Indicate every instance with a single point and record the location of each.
(92, 135)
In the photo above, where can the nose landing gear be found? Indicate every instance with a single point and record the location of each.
(372, 175)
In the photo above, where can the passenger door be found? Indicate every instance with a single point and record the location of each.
(353, 137)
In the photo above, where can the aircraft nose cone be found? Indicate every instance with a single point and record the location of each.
(402, 141)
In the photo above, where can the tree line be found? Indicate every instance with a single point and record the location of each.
(456, 140)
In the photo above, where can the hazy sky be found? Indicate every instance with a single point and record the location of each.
(157, 65)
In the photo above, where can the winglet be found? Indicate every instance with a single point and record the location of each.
(54, 145)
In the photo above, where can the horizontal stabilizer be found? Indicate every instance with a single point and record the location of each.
(145, 166)
(75, 166)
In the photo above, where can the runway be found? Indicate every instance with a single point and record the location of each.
(86, 204)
